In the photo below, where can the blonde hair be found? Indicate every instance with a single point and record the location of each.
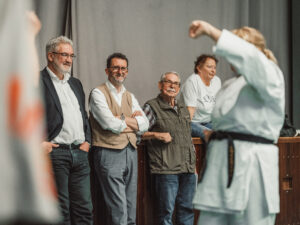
(256, 38)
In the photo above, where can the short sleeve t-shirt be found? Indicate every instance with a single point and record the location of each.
(196, 94)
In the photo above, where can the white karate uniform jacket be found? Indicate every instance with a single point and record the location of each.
(252, 103)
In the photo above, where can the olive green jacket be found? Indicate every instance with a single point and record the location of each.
(178, 156)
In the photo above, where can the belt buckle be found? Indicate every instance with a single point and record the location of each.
(74, 146)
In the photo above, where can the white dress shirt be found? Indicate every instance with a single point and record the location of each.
(72, 130)
(101, 112)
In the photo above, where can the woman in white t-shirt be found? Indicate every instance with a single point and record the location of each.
(199, 93)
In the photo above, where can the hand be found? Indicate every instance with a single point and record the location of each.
(165, 137)
(34, 23)
(136, 113)
(198, 28)
(85, 146)
(119, 117)
(47, 146)
(207, 134)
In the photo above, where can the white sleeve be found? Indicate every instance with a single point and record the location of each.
(260, 72)
(101, 112)
(190, 93)
(142, 121)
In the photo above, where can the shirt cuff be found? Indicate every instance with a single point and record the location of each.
(122, 127)
(143, 126)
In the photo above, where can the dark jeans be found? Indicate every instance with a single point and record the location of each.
(175, 190)
(72, 176)
(198, 128)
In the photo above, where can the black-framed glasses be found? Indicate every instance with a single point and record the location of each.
(168, 82)
(66, 55)
(117, 68)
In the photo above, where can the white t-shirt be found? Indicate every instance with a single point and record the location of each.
(196, 94)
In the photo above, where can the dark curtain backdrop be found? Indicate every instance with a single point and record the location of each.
(295, 47)
(154, 36)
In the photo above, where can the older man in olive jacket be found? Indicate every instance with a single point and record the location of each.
(171, 152)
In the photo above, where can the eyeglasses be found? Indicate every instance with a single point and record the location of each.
(66, 55)
(168, 82)
(117, 68)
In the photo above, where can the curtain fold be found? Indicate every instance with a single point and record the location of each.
(68, 20)
(154, 36)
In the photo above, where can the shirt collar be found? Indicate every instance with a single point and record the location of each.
(112, 88)
(55, 78)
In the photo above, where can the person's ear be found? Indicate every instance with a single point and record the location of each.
(50, 56)
(106, 71)
(160, 85)
(198, 69)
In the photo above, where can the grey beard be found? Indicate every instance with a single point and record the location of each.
(61, 70)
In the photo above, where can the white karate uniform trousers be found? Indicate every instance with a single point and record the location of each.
(256, 212)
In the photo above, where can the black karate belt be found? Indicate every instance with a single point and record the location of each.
(68, 146)
(231, 136)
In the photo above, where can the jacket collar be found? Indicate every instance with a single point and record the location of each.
(165, 105)
(51, 89)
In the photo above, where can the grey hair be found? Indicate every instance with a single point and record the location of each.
(163, 76)
(54, 42)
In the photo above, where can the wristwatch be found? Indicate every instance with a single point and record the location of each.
(122, 117)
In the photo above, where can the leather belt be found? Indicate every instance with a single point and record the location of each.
(230, 136)
(68, 146)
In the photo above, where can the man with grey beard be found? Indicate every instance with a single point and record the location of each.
(115, 117)
(171, 153)
(68, 132)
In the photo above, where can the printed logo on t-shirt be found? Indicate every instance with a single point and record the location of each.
(209, 99)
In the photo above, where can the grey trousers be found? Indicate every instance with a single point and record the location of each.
(116, 171)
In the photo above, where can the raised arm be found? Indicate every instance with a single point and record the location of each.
(246, 58)
(200, 27)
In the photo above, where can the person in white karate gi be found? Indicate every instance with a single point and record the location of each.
(239, 183)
